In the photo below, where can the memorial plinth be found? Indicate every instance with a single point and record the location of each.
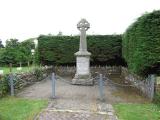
(83, 75)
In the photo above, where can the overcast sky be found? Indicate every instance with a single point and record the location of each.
(23, 19)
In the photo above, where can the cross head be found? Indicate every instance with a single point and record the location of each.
(83, 25)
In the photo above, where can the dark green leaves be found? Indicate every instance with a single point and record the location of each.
(61, 49)
(141, 44)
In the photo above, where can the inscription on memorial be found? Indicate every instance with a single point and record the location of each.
(82, 65)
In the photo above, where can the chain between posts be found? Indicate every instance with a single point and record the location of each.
(65, 81)
(125, 85)
(12, 82)
(105, 79)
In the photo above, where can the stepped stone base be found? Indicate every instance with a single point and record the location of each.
(82, 80)
(82, 76)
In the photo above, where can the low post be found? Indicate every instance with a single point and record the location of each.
(152, 86)
(101, 89)
(11, 84)
(11, 80)
(53, 85)
(10, 67)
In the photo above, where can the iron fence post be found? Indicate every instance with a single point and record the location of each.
(152, 78)
(11, 84)
(101, 90)
(53, 85)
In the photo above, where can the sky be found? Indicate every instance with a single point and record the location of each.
(24, 19)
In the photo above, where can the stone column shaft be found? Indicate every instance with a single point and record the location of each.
(83, 42)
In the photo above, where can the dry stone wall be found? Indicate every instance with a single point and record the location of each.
(145, 85)
(157, 84)
(22, 80)
(71, 70)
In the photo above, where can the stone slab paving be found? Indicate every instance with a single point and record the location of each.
(68, 115)
(100, 111)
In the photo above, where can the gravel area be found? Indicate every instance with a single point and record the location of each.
(74, 102)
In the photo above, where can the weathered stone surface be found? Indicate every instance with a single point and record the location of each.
(83, 75)
(58, 115)
(82, 80)
(83, 66)
(83, 26)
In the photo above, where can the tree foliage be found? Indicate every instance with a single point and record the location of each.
(16, 52)
(105, 49)
(1, 45)
(141, 44)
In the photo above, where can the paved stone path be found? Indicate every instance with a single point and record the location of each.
(60, 110)
(75, 102)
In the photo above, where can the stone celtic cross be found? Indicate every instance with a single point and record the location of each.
(83, 26)
(83, 74)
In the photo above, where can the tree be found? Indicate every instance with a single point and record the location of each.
(2, 56)
(16, 52)
(12, 43)
(26, 47)
(59, 33)
(1, 45)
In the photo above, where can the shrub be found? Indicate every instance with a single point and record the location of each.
(4, 88)
(141, 44)
(157, 98)
(38, 74)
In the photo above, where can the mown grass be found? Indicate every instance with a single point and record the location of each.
(12, 108)
(137, 111)
(6, 70)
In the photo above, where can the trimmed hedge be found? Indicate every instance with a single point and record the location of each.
(105, 49)
(141, 44)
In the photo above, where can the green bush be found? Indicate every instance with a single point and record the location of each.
(105, 49)
(38, 72)
(157, 98)
(141, 44)
(4, 88)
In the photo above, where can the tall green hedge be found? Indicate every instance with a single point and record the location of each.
(105, 49)
(141, 44)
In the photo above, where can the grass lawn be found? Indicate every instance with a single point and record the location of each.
(14, 69)
(12, 108)
(137, 111)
